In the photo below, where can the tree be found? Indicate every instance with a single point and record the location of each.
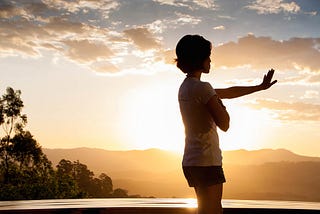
(25, 149)
(11, 121)
(66, 184)
(120, 193)
(85, 184)
(25, 171)
(106, 185)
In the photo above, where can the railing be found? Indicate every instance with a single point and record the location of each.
(153, 206)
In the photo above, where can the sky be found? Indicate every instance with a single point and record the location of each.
(101, 74)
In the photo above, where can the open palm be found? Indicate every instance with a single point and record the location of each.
(266, 83)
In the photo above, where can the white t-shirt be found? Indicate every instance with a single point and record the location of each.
(202, 141)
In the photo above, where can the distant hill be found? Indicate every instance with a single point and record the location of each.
(260, 174)
(117, 162)
(256, 157)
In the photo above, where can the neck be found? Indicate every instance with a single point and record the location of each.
(196, 74)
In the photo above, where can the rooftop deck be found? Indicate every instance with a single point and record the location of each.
(153, 206)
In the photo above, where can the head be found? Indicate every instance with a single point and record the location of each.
(192, 52)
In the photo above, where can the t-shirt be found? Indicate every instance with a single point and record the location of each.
(201, 137)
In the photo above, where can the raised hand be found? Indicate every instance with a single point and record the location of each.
(266, 83)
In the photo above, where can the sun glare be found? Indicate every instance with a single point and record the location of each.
(247, 130)
(151, 118)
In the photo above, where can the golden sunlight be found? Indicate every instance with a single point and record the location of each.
(151, 118)
(248, 128)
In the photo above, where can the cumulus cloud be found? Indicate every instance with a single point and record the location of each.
(264, 52)
(142, 38)
(30, 26)
(274, 6)
(289, 111)
(81, 31)
(86, 51)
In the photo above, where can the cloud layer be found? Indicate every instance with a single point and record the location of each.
(274, 6)
(289, 111)
(264, 52)
(101, 35)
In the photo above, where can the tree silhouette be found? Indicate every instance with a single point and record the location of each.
(26, 172)
(85, 182)
(11, 121)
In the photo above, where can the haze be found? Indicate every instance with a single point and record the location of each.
(101, 74)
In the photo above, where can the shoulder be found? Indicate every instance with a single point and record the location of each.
(205, 91)
(205, 87)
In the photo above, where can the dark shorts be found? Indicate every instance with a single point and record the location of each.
(203, 175)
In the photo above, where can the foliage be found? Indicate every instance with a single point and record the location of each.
(85, 181)
(26, 172)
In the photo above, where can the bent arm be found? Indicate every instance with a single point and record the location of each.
(238, 91)
(219, 113)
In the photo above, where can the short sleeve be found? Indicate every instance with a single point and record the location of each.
(207, 92)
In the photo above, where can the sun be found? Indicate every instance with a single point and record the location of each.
(151, 118)
(248, 128)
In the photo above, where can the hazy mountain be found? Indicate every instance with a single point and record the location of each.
(116, 162)
(244, 157)
(158, 161)
(261, 174)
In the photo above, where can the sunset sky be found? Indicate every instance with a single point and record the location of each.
(102, 74)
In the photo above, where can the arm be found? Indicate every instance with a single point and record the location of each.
(238, 91)
(219, 113)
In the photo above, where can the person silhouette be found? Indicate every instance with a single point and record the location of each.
(202, 112)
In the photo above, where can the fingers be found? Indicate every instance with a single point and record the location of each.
(273, 82)
(264, 79)
(270, 75)
(267, 79)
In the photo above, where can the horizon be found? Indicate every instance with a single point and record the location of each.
(180, 153)
(101, 73)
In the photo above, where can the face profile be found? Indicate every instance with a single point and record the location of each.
(207, 65)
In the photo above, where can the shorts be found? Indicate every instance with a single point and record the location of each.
(203, 176)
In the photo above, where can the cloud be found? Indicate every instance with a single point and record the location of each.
(83, 5)
(274, 7)
(27, 27)
(205, 3)
(289, 111)
(75, 30)
(142, 38)
(310, 94)
(185, 19)
(210, 4)
(105, 67)
(264, 52)
(62, 27)
(86, 51)
(20, 39)
(220, 27)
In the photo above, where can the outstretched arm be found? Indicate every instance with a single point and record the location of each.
(238, 91)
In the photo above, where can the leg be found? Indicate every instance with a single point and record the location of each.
(209, 199)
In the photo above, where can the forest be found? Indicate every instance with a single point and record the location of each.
(26, 172)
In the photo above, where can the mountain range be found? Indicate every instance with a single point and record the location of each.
(260, 174)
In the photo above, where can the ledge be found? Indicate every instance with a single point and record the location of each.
(152, 206)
